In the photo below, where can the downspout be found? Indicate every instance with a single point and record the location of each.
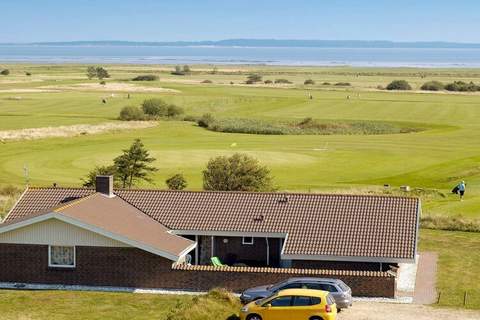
(268, 252)
(196, 250)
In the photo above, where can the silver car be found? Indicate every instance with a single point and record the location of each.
(338, 289)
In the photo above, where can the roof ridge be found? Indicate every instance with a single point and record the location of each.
(74, 202)
(236, 192)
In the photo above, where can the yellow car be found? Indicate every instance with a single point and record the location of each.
(292, 304)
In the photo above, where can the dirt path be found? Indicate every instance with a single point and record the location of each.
(425, 292)
(389, 311)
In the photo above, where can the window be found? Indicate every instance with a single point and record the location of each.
(299, 301)
(281, 301)
(293, 285)
(61, 256)
(322, 286)
(247, 240)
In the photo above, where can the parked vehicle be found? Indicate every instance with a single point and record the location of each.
(339, 290)
(292, 304)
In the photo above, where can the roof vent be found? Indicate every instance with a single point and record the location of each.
(104, 185)
(258, 218)
(283, 199)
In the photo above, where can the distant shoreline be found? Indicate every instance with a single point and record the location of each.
(83, 53)
(264, 43)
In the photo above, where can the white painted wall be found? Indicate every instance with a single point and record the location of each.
(56, 232)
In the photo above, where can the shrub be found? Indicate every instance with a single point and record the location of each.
(207, 81)
(268, 81)
(173, 110)
(284, 81)
(146, 77)
(28, 74)
(380, 87)
(130, 113)
(97, 72)
(206, 120)
(103, 83)
(326, 83)
(462, 86)
(240, 172)
(5, 72)
(176, 182)
(155, 107)
(432, 86)
(186, 69)
(308, 82)
(253, 78)
(399, 85)
(343, 84)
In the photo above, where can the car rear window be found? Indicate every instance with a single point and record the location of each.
(343, 286)
(330, 299)
(315, 300)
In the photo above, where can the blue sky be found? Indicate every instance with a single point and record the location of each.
(163, 20)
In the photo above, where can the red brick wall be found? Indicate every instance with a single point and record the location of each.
(130, 267)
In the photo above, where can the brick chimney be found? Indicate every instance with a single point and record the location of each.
(104, 185)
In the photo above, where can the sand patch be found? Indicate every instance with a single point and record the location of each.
(70, 131)
(110, 87)
(26, 90)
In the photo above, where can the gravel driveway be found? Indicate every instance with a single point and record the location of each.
(390, 311)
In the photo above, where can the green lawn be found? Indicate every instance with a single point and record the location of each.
(434, 159)
(458, 265)
(57, 305)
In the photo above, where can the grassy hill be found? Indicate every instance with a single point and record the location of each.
(433, 159)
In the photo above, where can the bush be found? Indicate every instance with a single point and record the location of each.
(103, 83)
(380, 87)
(462, 87)
(240, 172)
(308, 82)
(146, 77)
(173, 110)
(326, 83)
(28, 74)
(253, 78)
(432, 86)
(130, 113)
(206, 120)
(176, 182)
(399, 85)
(284, 81)
(343, 84)
(155, 107)
(5, 72)
(207, 81)
(268, 81)
(450, 223)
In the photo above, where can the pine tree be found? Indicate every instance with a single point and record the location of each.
(132, 165)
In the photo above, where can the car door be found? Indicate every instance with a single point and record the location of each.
(301, 308)
(278, 308)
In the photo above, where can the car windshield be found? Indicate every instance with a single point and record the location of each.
(275, 286)
(262, 301)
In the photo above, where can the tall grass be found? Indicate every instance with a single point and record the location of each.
(311, 127)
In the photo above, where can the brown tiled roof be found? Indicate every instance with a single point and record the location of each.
(316, 224)
(292, 271)
(117, 218)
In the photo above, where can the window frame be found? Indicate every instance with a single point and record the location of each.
(50, 265)
(248, 243)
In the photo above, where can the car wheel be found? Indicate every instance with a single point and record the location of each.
(316, 318)
(254, 317)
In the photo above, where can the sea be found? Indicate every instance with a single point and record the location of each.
(290, 56)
